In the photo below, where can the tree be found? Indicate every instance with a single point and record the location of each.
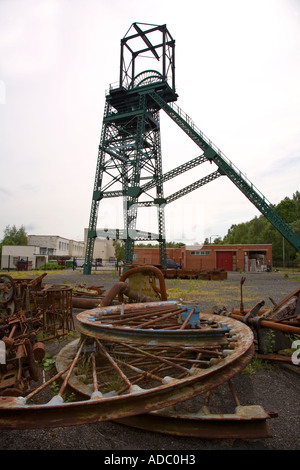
(14, 236)
(287, 209)
(296, 198)
(174, 244)
(218, 241)
(260, 230)
(119, 250)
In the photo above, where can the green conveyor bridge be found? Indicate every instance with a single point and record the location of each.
(226, 167)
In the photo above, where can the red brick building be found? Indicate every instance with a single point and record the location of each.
(208, 257)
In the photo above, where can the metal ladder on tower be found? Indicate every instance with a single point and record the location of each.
(226, 167)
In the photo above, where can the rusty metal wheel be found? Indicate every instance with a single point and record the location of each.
(120, 378)
(7, 288)
(165, 323)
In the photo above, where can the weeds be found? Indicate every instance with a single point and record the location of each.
(48, 362)
(84, 365)
(256, 365)
(269, 341)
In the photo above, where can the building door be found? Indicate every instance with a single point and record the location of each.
(225, 260)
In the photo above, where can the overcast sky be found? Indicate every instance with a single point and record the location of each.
(237, 76)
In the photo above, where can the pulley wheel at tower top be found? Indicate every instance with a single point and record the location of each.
(146, 78)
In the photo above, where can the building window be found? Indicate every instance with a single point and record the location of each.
(43, 250)
(202, 253)
(50, 251)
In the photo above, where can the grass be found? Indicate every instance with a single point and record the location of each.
(56, 272)
(218, 293)
(32, 273)
(207, 293)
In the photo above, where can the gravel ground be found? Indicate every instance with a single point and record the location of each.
(276, 388)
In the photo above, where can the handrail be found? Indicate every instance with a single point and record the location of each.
(191, 123)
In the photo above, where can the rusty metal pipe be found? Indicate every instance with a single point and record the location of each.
(85, 303)
(34, 371)
(117, 289)
(157, 319)
(113, 363)
(120, 289)
(274, 325)
(45, 384)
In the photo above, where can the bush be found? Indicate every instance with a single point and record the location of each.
(51, 265)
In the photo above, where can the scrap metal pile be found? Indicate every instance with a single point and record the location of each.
(29, 315)
(136, 363)
(281, 321)
(210, 275)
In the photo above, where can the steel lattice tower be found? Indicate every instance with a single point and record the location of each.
(130, 145)
(129, 164)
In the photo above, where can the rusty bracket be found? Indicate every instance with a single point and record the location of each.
(253, 313)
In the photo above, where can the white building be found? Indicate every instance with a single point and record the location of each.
(103, 249)
(40, 248)
(14, 254)
(53, 245)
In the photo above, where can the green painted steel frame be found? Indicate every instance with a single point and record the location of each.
(128, 119)
(129, 151)
(225, 167)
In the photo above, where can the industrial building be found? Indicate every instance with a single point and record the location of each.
(208, 257)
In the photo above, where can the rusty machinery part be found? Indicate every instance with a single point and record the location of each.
(47, 308)
(283, 316)
(163, 323)
(22, 350)
(36, 283)
(7, 289)
(121, 289)
(247, 422)
(25, 292)
(93, 291)
(197, 420)
(84, 297)
(57, 314)
(153, 273)
(119, 379)
(46, 312)
(242, 281)
(85, 302)
(115, 295)
(212, 275)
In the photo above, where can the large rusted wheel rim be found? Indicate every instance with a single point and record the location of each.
(120, 379)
